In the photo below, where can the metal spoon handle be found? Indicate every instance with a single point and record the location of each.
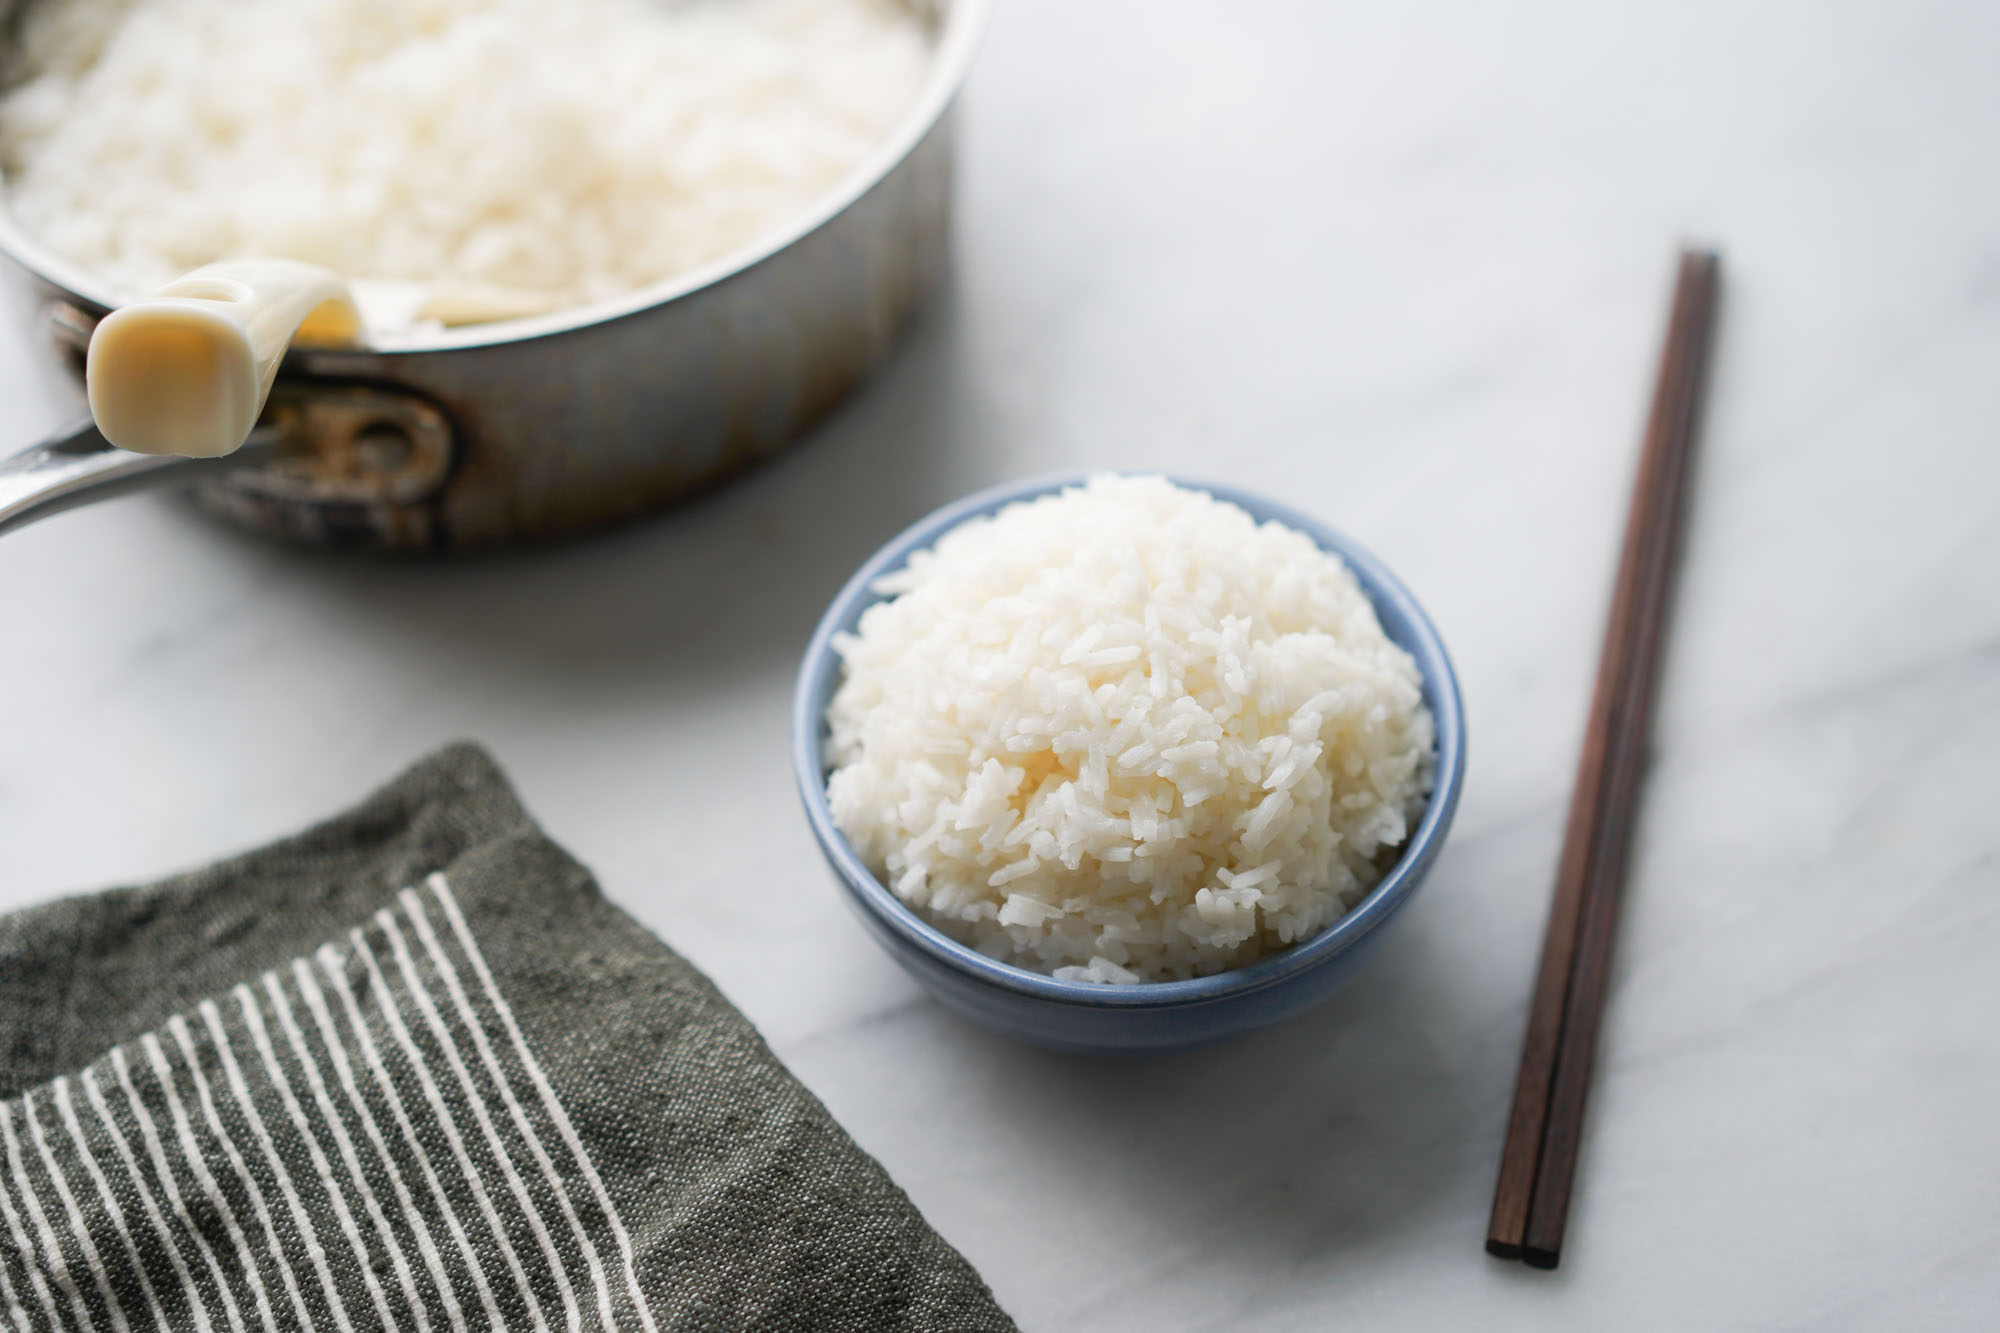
(77, 466)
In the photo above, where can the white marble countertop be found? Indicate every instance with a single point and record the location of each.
(1404, 265)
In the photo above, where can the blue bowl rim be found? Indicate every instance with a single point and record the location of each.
(818, 675)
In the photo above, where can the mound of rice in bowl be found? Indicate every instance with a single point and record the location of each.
(1126, 733)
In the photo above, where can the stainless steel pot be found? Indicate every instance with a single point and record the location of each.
(537, 428)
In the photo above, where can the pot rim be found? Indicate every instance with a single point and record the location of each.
(964, 23)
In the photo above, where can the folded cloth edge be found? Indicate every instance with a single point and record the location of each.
(59, 961)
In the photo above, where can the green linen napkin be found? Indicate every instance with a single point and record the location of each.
(409, 1070)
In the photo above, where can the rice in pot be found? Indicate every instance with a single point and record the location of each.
(515, 155)
(1126, 733)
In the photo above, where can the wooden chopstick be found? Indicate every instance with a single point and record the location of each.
(1544, 1132)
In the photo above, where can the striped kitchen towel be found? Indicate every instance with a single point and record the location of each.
(410, 1071)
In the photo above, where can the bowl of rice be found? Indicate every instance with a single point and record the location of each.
(1122, 763)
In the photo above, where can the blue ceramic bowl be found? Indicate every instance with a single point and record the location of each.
(1156, 1016)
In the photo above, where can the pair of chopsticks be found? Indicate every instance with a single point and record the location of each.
(1538, 1164)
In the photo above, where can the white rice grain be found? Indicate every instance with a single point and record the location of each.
(1126, 733)
(541, 153)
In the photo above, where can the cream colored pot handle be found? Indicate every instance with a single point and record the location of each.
(186, 370)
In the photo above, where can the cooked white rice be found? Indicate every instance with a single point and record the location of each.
(1126, 733)
(517, 154)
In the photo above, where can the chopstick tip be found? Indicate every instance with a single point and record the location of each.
(1534, 1256)
(1706, 258)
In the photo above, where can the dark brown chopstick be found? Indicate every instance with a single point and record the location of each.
(1538, 1162)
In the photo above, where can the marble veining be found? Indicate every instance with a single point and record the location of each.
(1404, 266)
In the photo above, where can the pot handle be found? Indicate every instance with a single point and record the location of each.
(321, 442)
(78, 465)
(186, 371)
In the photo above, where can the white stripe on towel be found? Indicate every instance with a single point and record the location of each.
(17, 1314)
(153, 1215)
(282, 1007)
(308, 1231)
(26, 1251)
(413, 907)
(454, 1057)
(66, 1112)
(427, 1006)
(52, 1252)
(205, 1097)
(260, 1037)
(401, 1032)
(316, 1001)
(151, 1044)
(99, 1275)
(449, 902)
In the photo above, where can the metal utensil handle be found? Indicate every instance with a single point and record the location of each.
(322, 442)
(78, 465)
